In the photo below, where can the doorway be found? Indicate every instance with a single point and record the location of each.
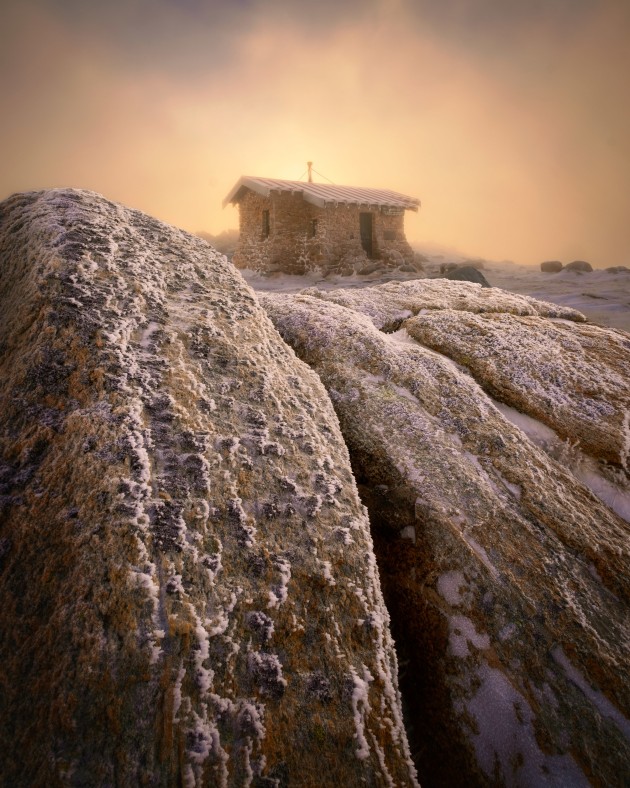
(366, 226)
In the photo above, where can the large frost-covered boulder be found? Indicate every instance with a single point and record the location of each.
(529, 354)
(189, 592)
(389, 304)
(508, 580)
(573, 378)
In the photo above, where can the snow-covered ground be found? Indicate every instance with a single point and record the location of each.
(603, 297)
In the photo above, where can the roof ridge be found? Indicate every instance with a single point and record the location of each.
(323, 193)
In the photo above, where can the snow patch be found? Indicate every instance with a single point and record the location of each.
(145, 339)
(177, 692)
(327, 573)
(481, 554)
(409, 532)
(462, 633)
(279, 593)
(449, 587)
(583, 467)
(505, 738)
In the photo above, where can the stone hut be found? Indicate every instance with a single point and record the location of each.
(294, 226)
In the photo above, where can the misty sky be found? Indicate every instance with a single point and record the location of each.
(509, 119)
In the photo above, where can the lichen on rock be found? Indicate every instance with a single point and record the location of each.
(506, 578)
(574, 378)
(389, 304)
(169, 468)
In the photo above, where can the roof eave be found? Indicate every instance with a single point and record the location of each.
(320, 202)
(245, 182)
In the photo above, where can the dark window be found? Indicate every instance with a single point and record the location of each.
(265, 224)
(312, 230)
(390, 235)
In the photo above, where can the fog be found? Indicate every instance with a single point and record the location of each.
(508, 120)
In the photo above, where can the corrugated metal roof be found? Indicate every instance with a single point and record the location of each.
(322, 194)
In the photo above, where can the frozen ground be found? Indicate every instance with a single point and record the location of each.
(602, 296)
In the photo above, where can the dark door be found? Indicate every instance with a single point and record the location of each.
(365, 221)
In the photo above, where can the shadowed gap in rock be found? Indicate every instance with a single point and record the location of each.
(419, 630)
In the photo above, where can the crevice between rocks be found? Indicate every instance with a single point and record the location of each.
(419, 629)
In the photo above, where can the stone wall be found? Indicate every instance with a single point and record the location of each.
(303, 236)
(390, 241)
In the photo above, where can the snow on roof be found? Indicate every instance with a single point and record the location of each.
(322, 194)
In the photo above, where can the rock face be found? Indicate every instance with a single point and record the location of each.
(551, 266)
(506, 578)
(189, 592)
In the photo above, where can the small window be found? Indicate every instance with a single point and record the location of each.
(265, 224)
(313, 228)
(390, 235)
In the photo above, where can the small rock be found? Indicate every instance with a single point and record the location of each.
(579, 265)
(551, 266)
(467, 274)
(370, 268)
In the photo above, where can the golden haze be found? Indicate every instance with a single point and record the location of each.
(519, 150)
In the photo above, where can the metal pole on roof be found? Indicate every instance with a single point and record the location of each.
(309, 164)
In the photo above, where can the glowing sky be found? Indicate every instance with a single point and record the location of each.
(509, 119)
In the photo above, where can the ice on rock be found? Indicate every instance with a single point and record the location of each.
(165, 450)
(512, 550)
(573, 378)
(388, 305)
